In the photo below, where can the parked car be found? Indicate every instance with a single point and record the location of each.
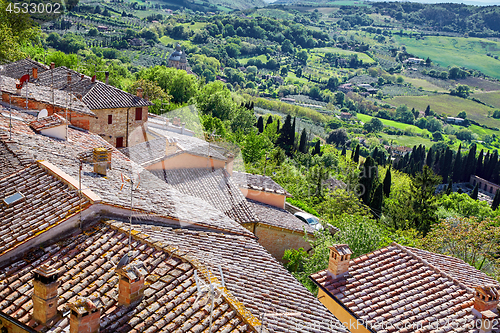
(312, 220)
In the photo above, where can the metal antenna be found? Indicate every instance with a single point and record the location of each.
(212, 289)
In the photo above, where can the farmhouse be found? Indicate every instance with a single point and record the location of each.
(454, 120)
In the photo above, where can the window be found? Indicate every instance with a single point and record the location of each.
(138, 113)
(119, 142)
(110, 119)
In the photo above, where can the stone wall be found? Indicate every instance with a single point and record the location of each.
(276, 241)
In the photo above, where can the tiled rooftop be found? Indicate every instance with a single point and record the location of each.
(396, 286)
(254, 277)
(11, 160)
(87, 265)
(47, 201)
(278, 217)
(96, 95)
(48, 122)
(22, 67)
(150, 152)
(151, 198)
(44, 94)
(213, 186)
(258, 182)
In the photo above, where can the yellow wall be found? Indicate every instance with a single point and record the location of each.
(276, 241)
(185, 161)
(342, 314)
(272, 199)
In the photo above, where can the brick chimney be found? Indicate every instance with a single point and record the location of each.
(45, 294)
(107, 77)
(131, 284)
(486, 298)
(35, 73)
(139, 92)
(52, 65)
(102, 160)
(338, 263)
(488, 321)
(85, 317)
(82, 76)
(69, 78)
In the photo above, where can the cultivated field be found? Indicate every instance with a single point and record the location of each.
(490, 98)
(402, 126)
(322, 50)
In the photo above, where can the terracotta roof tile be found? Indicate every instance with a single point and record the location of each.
(213, 186)
(258, 182)
(48, 122)
(22, 67)
(168, 304)
(11, 159)
(398, 286)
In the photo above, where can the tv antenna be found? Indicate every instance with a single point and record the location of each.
(131, 181)
(214, 290)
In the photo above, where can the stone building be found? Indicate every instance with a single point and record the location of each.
(178, 59)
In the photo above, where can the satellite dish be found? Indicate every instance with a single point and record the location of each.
(123, 261)
(42, 114)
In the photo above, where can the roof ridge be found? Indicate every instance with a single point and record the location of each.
(175, 251)
(433, 267)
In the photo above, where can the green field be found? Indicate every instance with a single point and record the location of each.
(459, 51)
(366, 59)
(490, 98)
(407, 141)
(262, 57)
(402, 126)
(450, 105)
(426, 85)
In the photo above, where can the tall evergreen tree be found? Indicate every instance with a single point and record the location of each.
(479, 164)
(317, 148)
(445, 166)
(278, 128)
(355, 155)
(377, 200)
(428, 110)
(269, 120)
(303, 142)
(344, 151)
(291, 138)
(470, 163)
(260, 124)
(387, 182)
(423, 199)
(457, 166)
(475, 192)
(496, 201)
(430, 158)
(449, 188)
(367, 178)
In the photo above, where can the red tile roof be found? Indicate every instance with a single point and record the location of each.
(398, 286)
(48, 122)
(87, 263)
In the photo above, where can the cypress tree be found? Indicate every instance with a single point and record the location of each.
(269, 120)
(317, 148)
(475, 192)
(479, 164)
(369, 174)
(428, 111)
(303, 142)
(355, 154)
(344, 151)
(430, 158)
(449, 188)
(260, 124)
(387, 182)
(291, 138)
(376, 203)
(470, 163)
(278, 126)
(496, 201)
(446, 165)
(457, 166)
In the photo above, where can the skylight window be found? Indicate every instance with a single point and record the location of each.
(13, 199)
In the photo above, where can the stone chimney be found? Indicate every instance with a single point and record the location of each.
(19, 86)
(85, 317)
(107, 77)
(69, 78)
(102, 160)
(139, 92)
(34, 73)
(45, 294)
(171, 146)
(131, 284)
(338, 263)
(52, 65)
(488, 321)
(486, 298)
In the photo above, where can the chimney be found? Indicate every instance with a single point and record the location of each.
(229, 163)
(35, 73)
(131, 284)
(102, 160)
(183, 128)
(488, 321)
(139, 92)
(486, 298)
(338, 263)
(82, 76)
(171, 146)
(93, 79)
(69, 78)
(19, 86)
(52, 65)
(107, 77)
(45, 294)
(85, 317)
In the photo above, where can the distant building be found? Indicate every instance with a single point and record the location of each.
(345, 88)
(345, 116)
(454, 120)
(178, 59)
(484, 185)
(417, 61)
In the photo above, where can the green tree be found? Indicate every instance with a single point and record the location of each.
(255, 147)
(496, 201)
(387, 182)
(303, 142)
(355, 155)
(367, 178)
(260, 124)
(317, 148)
(215, 99)
(457, 165)
(475, 192)
(423, 200)
(177, 83)
(377, 201)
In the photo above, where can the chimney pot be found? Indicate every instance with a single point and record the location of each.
(338, 262)
(69, 78)
(85, 317)
(131, 284)
(45, 294)
(107, 77)
(52, 65)
(35, 73)
(102, 160)
(488, 321)
(486, 298)
(139, 92)
(82, 76)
